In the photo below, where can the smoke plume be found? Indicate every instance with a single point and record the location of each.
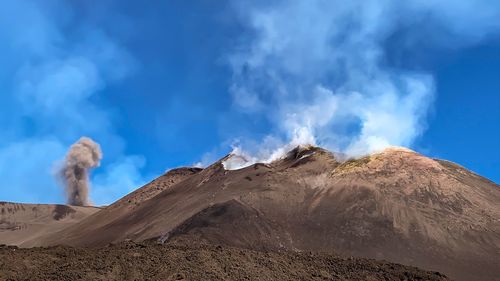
(81, 157)
(323, 72)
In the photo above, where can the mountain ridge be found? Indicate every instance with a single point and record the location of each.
(396, 205)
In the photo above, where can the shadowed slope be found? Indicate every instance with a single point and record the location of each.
(223, 224)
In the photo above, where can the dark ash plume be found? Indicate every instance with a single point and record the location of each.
(81, 157)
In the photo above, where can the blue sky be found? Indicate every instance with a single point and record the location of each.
(169, 83)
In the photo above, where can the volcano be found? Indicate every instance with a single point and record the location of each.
(395, 205)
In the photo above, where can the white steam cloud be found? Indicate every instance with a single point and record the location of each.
(318, 69)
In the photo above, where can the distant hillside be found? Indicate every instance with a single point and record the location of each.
(23, 224)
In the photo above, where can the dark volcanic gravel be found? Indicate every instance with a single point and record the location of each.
(151, 261)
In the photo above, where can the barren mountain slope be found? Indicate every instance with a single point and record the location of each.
(106, 225)
(395, 205)
(21, 224)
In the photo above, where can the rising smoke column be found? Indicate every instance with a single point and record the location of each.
(82, 156)
(324, 72)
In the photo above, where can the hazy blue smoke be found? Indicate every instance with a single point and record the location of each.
(53, 66)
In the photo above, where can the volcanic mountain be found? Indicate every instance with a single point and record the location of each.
(395, 205)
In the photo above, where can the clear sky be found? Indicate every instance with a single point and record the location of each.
(162, 84)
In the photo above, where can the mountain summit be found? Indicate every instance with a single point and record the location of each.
(396, 205)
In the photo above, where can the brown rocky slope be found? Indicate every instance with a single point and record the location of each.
(174, 261)
(395, 205)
